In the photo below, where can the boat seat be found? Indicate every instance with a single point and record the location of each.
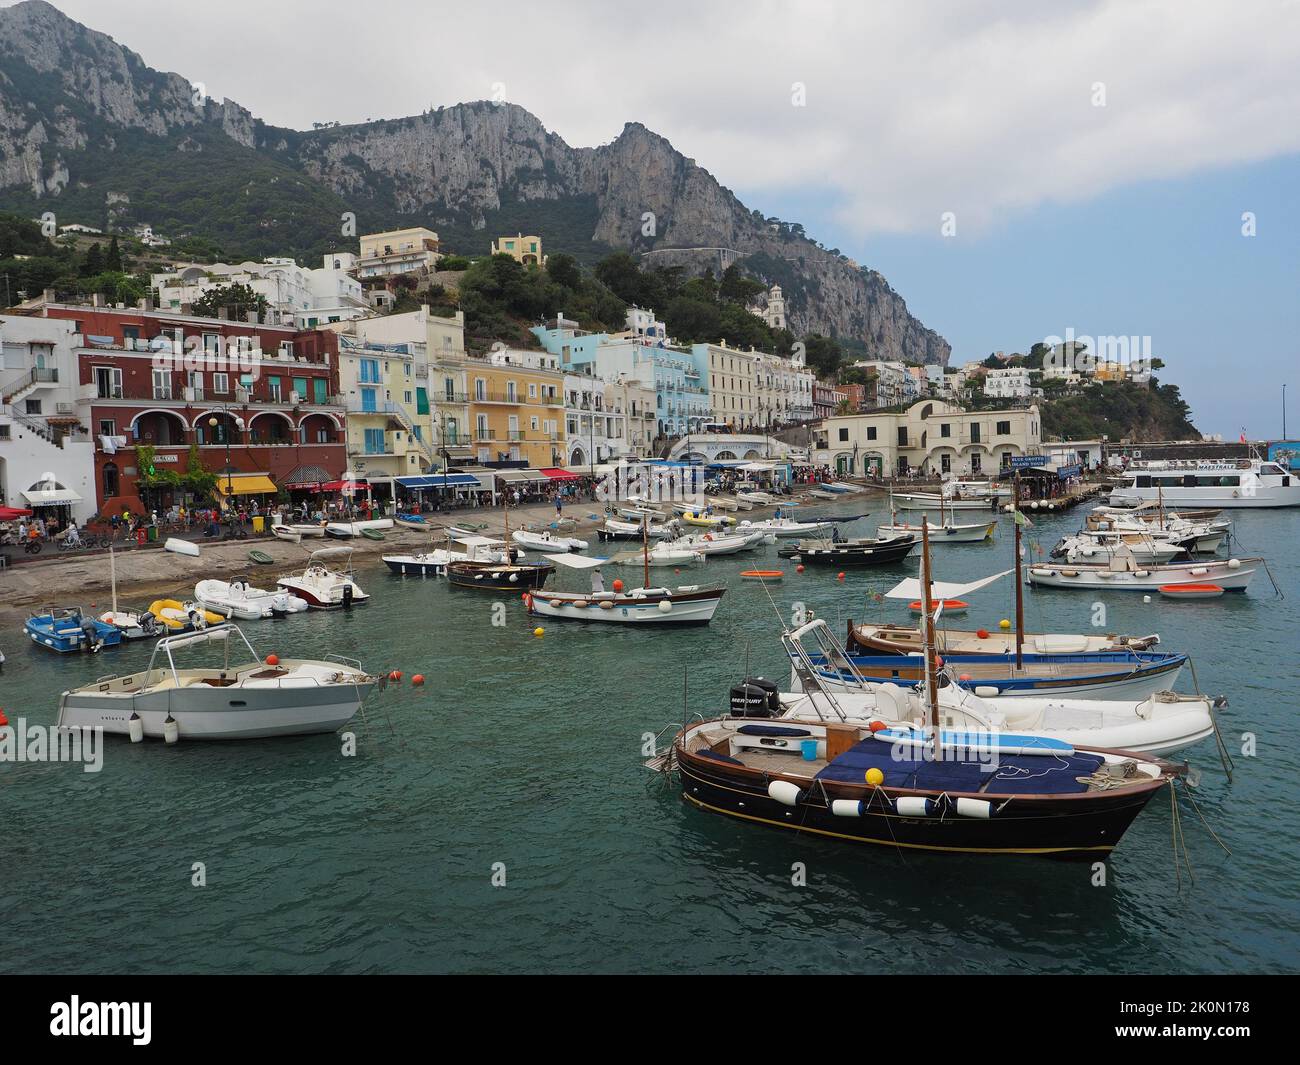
(891, 701)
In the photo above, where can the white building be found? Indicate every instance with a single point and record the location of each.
(772, 311)
(1009, 383)
(47, 458)
(895, 384)
(296, 295)
(596, 432)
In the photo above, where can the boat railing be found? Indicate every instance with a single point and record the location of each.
(807, 672)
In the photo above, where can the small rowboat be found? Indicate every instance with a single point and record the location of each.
(181, 547)
(1191, 591)
(260, 557)
(762, 574)
(372, 534)
(284, 532)
(950, 606)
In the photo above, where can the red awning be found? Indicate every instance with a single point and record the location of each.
(556, 474)
(344, 486)
(13, 513)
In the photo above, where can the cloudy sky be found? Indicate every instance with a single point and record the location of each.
(1095, 157)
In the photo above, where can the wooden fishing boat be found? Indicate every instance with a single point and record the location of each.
(499, 576)
(684, 605)
(860, 552)
(1124, 573)
(892, 639)
(762, 574)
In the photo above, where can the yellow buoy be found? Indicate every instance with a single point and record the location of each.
(1004, 624)
(875, 777)
(538, 631)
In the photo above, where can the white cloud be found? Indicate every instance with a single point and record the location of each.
(912, 109)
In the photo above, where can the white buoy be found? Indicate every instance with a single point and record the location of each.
(135, 727)
(784, 792)
(171, 730)
(514, 578)
(1146, 599)
(664, 606)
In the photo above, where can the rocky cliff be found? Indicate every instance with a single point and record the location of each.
(75, 106)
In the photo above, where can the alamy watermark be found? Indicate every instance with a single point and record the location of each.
(22, 742)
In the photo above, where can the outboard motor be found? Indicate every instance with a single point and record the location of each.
(755, 697)
(347, 597)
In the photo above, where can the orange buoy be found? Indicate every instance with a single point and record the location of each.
(876, 726)
(964, 676)
(839, 576)
(1191, 591)
(938, 661)
(762, 574)
(395, 675)
(799, 568)
(272, 660)
(618, 584)
(418, 679)
(983, 634)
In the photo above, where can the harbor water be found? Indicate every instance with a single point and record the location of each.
(499, 818)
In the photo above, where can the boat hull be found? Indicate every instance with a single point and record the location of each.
(1229, 579)
(497, 577)
(943, 534)
(692, 608)
(209, 713)
(848, 555)
(1074, 827)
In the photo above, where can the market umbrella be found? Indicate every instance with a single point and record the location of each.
(13, 514)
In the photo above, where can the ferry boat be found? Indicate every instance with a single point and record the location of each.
(1209, 483)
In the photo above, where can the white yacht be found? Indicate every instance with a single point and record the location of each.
(1181, 483)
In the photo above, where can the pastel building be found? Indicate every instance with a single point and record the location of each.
(526, 250)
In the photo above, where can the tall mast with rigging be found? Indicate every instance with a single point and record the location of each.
(1020, 588)
(927, 602)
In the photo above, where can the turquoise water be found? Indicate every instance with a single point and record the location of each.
(527, 752)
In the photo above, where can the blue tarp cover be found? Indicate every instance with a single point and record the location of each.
(1013, 775)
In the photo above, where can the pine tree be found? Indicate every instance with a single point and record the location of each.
(114, 260)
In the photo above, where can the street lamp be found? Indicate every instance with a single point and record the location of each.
(213, 422)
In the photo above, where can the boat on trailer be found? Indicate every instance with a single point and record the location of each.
(252, 699)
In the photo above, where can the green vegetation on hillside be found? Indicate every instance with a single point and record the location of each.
(1119, 410)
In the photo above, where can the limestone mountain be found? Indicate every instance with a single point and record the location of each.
(90, 132)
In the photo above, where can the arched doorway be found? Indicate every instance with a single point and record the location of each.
(218, 427)
(271, 427)
(159, 428)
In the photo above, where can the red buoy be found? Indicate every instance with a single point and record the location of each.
(272, 660)
(618, 584)
(876, 726)
(983, 634)
(799, 568)
(964, 676)
(839, 576)
(395, 675)
(418, 679)
(3, 720)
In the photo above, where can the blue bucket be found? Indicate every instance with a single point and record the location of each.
(809, 749)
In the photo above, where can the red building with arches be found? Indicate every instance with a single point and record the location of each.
(265, 395)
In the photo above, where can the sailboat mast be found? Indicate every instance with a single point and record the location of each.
(927, 601)
(645, 551)
(112, 570)
(1020, 588)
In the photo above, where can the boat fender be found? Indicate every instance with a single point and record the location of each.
(1141, 573)
(986, 691)
(580, 603)
(914, 806)
(977, 808)
(1233, 563)
(847, 807)
(1042, 572)
(556, 603)
(171, 730)
(135, 727)
(784, 792)
(665, 606)
(606, 605)
(1199, 571)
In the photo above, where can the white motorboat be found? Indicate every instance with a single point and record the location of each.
(684, 605)
(547, 541)
(132, 625)
(323, 586)
(784, 528)
(1101, 547)
(286, 533)
(1123, 572)
(660, 555)
(239, 599)
(935, 501)
(434, 562)
(947, 533)
(250, 700)
(627, 530)
(1181, 483)
(717, 543)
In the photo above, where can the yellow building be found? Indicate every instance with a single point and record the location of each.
(516, 411)
(526, 250)
(414, 251)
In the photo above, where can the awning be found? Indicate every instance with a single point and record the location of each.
(246, 484)
(51, 497)
(519, 476)
(306, 477)
(13, 513)
(344, 486)
(555, 474)
(439, 480)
